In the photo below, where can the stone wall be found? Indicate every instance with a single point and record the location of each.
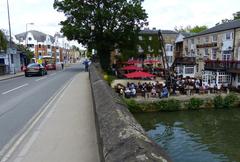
(120, 136)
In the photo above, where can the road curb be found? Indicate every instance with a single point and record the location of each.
(11, 77)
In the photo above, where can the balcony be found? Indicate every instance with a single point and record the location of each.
(229, 66)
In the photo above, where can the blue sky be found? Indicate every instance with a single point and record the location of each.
(163, 14)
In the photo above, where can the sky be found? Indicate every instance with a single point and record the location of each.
(163, 14)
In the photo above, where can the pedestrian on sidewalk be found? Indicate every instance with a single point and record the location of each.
(62, 64)
(86, 64)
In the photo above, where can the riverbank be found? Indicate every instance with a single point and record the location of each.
(183, 102)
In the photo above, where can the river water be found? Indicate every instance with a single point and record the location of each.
(196, 136)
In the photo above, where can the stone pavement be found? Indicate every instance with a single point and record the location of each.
(8, 76)
(68, 133)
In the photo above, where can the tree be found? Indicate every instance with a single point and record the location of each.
(29, 54)
(236, 16)
(3, 42)
(102, 24)
(189, 29)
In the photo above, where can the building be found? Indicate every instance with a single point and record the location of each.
(149, 45)
(11, 59)
(44, 44)
(217, 53)
(184, 66)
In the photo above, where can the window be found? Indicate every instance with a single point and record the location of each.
(228, 36)
(206, 52)
(169, 47)
(149, 48)
(224, 78)
(199, 40)
(140, 37)
(192, 41)
(226, 55)
(214, 38)
(150, 37)
(29, 38)
(238, 78)
(214, 54)
(48, 46)
(169, 59)
(39, 46)
(189, 69)
(206, 39)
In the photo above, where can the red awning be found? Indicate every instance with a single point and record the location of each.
(139, 74)
(132, 67)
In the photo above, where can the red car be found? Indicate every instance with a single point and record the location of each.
(50, 67)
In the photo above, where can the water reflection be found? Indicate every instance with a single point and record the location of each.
(196, 136)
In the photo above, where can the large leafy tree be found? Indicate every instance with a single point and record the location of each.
(3, 42)
(102, 24)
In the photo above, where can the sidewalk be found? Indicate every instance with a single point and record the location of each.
(8, 76)
(68, 133)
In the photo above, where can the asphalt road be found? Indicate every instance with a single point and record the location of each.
(21, 98)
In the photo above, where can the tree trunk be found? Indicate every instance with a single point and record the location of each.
(104, 56)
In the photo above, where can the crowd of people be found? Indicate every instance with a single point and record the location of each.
(178, 86)
(144, 89)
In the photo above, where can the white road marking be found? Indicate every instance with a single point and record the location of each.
(30, 126)
(40, 79)
(15, 89)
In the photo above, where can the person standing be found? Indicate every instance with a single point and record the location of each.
(86, 64)
(62, 64)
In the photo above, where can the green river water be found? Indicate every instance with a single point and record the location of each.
(196, 136)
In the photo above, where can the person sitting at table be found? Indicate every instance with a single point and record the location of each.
(164, 92)
(127, 93)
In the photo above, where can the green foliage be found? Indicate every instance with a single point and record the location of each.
(168, 105)
(29, 54)
(194, 103)
(236, 15)
(230, 100)
(218, 102)
(189, 29)
(109, 78)
(103, 25)
(3, 42)
(226, 102)
(133, 106)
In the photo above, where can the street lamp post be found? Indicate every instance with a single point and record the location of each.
(26, 40)
(10, 39)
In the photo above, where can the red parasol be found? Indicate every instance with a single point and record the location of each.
(132, 67)
(138, 74)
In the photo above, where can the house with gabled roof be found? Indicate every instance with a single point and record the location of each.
(217, 53)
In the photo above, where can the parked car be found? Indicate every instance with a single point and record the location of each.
(35, 69)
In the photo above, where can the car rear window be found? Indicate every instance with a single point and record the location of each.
(33, 65)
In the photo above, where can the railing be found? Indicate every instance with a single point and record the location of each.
(222, 65)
